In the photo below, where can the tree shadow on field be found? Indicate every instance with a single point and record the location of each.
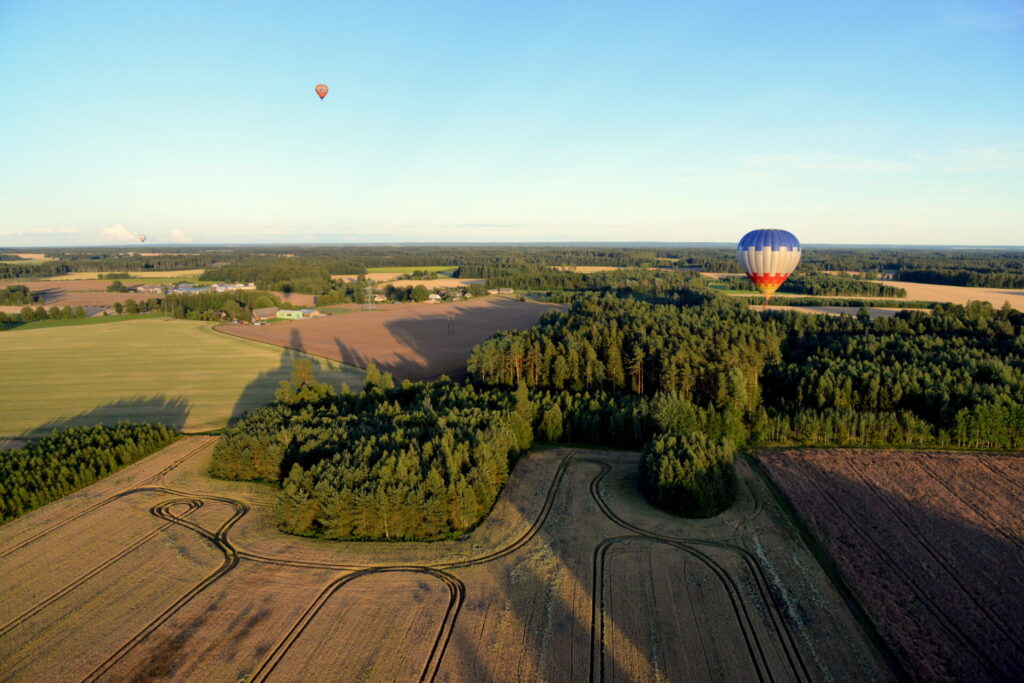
(260, 391)
(401, 367)
(172, 411)
(442, 340)
(930, 544)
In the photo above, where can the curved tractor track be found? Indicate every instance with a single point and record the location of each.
(177, 508)
(691, 547)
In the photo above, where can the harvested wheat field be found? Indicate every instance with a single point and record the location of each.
(70, 285)
(91, 275)
(177, 372)
(411, 341)
(440, 283)
(931, 543)
(161, 572)
(305, 300)
(372, 277)
(81, 293)
(60, 297)
(950, 294)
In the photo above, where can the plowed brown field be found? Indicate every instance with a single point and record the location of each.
(159, 572)
(411, 341)
(931, 543)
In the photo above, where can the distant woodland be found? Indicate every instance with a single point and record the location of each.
(647, 357)
(308, 269)
(687, 376)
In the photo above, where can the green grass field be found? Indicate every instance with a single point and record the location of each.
(179, 372)
(77, 322)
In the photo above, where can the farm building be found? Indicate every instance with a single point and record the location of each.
(231, 287)
(501, 290)
(187, 289)
(434, 297)
(150, 289)
(298, 314)
(264, 313)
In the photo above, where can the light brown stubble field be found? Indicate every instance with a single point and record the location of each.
(411, 341)
(949, 294)
(931, 543)
(161, 572)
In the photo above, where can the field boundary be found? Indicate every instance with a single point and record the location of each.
(831, 571)
(761, 582)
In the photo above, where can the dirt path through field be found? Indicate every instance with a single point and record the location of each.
(171, 574)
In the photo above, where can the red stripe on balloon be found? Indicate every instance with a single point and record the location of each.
(768, 279)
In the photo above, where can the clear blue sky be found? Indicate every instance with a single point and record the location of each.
(852, 122)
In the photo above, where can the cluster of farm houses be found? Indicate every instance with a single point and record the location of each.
(444, 294)
(185, 288)
(261, 314)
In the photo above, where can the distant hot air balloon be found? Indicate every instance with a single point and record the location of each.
(142, 238)
(768, 257)
(321, 90)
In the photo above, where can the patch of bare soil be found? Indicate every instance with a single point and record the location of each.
(411, 341)
(931, 543)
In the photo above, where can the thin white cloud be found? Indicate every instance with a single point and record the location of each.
(180, 236)
(990, 158)
(118, 233)
(823, 162)
(42, 232)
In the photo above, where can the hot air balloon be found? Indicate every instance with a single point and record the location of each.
(142, 238)
(768, 257)
(321, 90)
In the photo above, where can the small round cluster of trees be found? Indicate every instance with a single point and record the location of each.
(688, 474)
(16, 295)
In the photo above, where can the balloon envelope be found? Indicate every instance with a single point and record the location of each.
(321, 90)
(768, 257)
(142, 238)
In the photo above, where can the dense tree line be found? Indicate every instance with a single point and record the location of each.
(213, 306)
(953, 378)
(418, 461)
(235, 305)
(70, 459)
(833, 301)
(693, 370)
(964, 277)
(88, 260)
(824, 284)
(281, 274)
(508, 264)
(711, 353)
